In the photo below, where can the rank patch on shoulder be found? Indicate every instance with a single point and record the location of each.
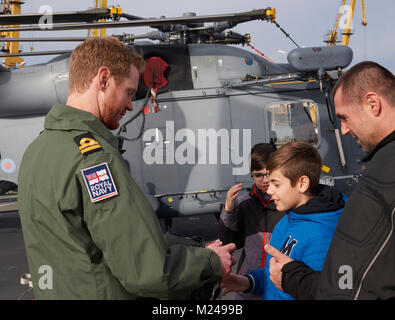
(87, 143)
(99, 182)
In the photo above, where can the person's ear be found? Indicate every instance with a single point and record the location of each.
(303, 184)
(373, 102)
(103, 76)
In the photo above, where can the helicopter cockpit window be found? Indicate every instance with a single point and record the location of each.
(291, 121)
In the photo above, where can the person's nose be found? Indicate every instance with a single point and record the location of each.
(129, 106)
(344, 128)
(270, 190)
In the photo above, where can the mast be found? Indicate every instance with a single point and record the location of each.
(12, 7)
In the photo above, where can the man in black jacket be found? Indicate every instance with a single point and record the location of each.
(360, 263)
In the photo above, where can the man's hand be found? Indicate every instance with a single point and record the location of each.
(225, 255)
(275, 265)
(231, 196)
(234, 283)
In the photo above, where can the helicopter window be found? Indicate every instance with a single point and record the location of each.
(291, 121)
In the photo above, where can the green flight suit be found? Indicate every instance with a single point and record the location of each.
(109, 249)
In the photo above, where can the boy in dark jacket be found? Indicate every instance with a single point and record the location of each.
(307, 229)
(249, 220)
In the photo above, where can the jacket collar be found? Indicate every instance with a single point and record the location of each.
(388, 139)
(327, 199)
(63, 117)
(257, 194)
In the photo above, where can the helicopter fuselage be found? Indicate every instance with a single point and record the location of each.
(212, 110)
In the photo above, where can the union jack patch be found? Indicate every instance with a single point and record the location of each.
(99, 182)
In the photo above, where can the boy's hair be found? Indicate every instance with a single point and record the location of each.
(296, 159)
(260, 155)
(92, 54)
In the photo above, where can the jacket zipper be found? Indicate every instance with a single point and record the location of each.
(263, 250)
(377, 255)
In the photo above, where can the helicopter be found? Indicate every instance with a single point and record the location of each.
(201, 105)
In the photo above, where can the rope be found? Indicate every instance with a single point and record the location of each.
(286, 34)
(261, 53)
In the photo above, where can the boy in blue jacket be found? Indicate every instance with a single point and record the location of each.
(312, 212)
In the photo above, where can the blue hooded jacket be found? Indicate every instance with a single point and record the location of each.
(303, 234)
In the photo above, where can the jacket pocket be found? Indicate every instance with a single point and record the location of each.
(365, 219)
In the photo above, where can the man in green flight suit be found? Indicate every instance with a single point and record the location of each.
(89, 231)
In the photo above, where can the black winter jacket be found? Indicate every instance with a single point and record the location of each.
(360, 263)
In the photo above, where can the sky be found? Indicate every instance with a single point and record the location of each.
(307, 21)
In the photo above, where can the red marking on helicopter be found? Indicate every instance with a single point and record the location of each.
(153, 73)
(146, 110)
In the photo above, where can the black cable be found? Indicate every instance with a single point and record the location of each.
(133, 118)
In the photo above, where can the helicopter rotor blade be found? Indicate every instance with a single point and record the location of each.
(260, 14)
(37, 53)
(57, 17)
(53, 39)
(154, 35)
(131, 17)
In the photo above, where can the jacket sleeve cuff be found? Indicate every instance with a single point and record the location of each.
(215, 266)
(299, 280)
(290, 266)
(252, 283)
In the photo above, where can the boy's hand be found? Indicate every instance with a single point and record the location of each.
(276, 263)
(225, 256)
(231, 196)
(234, 283)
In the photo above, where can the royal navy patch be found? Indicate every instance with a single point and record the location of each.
(87, 143)
(99, 182)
